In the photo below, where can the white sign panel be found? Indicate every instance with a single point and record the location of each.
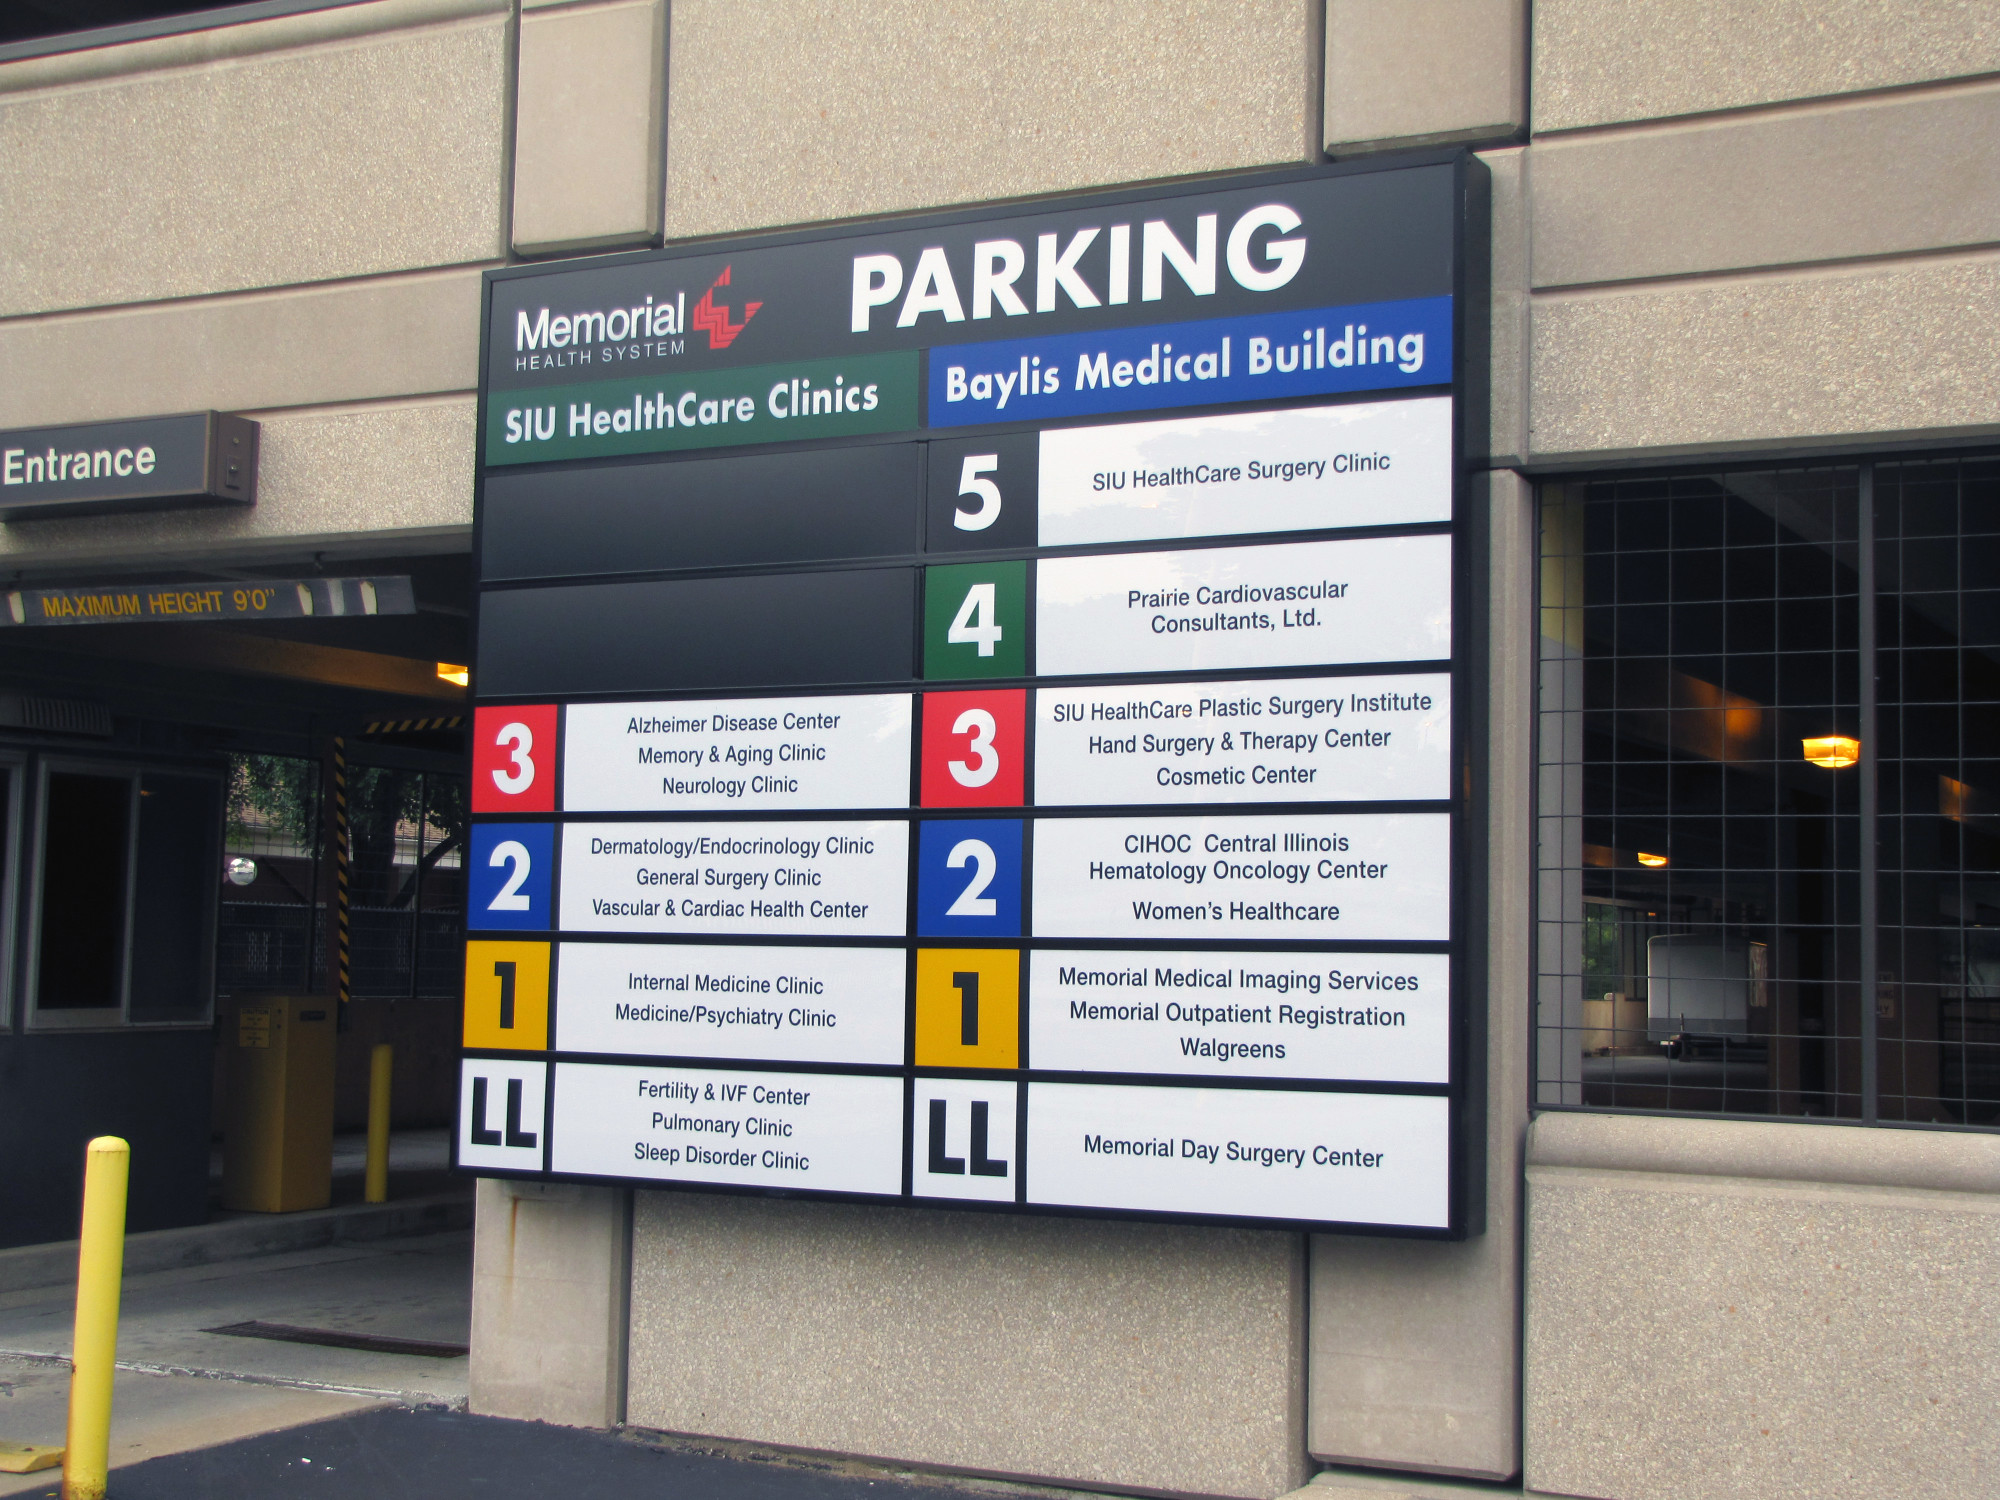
(1375, 463)
(1296, 604)
(1365, 876)
(717, 755)
(833, 1132)
(1247, 1153)
(964, 1142)
(1376, 1016)
(791, 877)
(500, 1104)
(1303, 739)
(840, 1005)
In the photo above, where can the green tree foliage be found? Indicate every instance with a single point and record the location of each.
(274, 794)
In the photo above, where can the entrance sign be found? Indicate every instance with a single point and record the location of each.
(150, 463)
(973, 712)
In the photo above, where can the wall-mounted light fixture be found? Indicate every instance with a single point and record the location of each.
(1652, 861)
(1834, 751)
(460, 675)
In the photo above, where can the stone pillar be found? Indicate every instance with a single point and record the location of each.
(551, 1269)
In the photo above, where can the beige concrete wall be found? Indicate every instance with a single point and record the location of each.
(1879, 176)
(1124, 1355)
(1337, 1484)
(550, 1271)
(1597, 62)
(237, 163)
(1415, 1347)
(1424, 72)
(386, 477)
(1510, 317)
(383, 337)
(1854, 355)
(1813, 277)
(1723, 1310)
(794, 110)
(1718, 1309)
(588, 117)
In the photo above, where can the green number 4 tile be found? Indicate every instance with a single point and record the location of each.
(976, 620)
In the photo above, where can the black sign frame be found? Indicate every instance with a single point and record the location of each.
(1469, 667)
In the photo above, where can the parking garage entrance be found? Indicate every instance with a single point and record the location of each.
(205, 813)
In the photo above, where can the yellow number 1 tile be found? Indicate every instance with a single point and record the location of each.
(507, 995)
(968, 1008)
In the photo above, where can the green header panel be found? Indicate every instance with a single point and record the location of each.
(790, 402)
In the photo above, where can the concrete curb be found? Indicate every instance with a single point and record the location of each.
(420, 1400)
(29, 1266)
(1359, 1483)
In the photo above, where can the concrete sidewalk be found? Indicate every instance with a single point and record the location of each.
(407, 1289)
(152, 1414)
(181, 1387)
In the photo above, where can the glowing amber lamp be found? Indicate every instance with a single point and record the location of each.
(460, 675)
(1652, 861)
(1833, 751)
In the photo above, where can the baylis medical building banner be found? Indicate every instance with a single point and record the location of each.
(969, 710)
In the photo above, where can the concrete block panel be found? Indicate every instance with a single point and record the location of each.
(308, 346)
(549, 1279)
(1422, 72)
(1596, 62)
(1415, 1349)
(1881, 176)
(1131, 1356)
(1935, 1160)
(589, 97)
(1507, 391)
(371, 478)
(373, 153)
(798, 110)
(1338, 1484)
(238, 39)
(1872, 352)
(1701, 1337)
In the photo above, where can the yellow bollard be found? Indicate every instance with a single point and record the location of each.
(380, 1067)
(100, 1265)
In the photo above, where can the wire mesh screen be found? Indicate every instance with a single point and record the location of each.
(1937, 993)
(1699, 898)
(271, 932)
(406, 881)
(406, 884)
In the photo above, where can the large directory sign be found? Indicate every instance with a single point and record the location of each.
(971, 711)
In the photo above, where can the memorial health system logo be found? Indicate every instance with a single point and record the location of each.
(712, 317)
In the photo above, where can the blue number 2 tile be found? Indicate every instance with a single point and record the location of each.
(507, 882)
(969, 878)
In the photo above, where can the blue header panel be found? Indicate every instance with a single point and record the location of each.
(1265, 357)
